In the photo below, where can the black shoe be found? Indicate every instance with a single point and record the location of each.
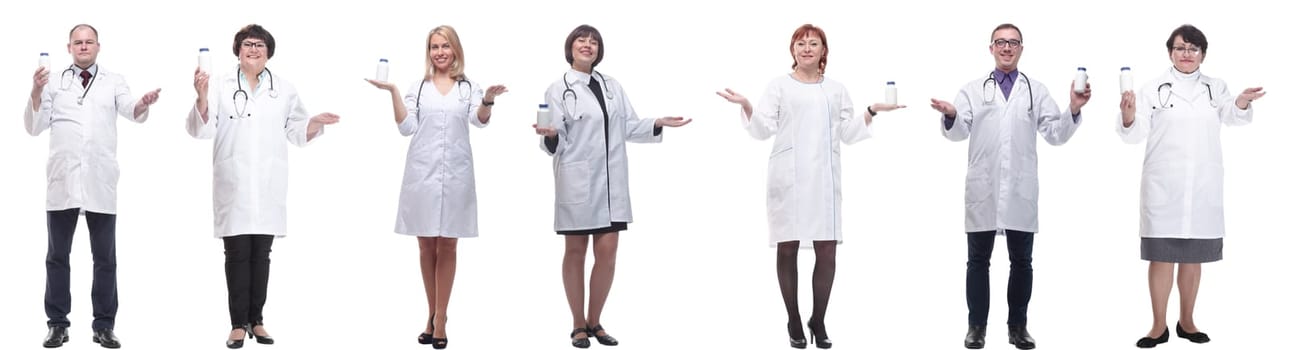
(262, 339)
(56, 337)
(1018, 336)
(797, 343)
(602, 339)
(237, 343)
(106, 339)
(1198, 337)
(581, 343)
(426, 338)
(975, 338)
(1146, 342)
(823, 341)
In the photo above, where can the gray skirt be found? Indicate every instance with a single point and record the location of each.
(1178, 250)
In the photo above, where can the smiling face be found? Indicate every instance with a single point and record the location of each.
(83, 45)
(253, 55)
(442, 54)
(585, 51)
(808, 50)
(1186, 56)
(1005, 46)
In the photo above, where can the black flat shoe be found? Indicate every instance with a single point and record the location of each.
(1147, 342)
(1198, 337)
(822, 341)
(581, 343)
(975, 338)
(1019, 337)
(797, 343)
(56, 337)
(105, 338)
(262, 339)
(602, 339)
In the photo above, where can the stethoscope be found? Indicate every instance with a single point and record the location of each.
(568, 91)
(241, 113)
(989, 93)
(1164, 96)
(65, 82)
(462, 94)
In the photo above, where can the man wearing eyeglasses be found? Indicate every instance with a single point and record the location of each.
(80, 113)
(1002, 112)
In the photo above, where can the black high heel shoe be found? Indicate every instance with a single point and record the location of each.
(823, 342)
(262, 339)
(794, 342)
(236, 344)
(427, 338)
(581, 343)
(1198, 337)
(602, 339)
(1146, 342)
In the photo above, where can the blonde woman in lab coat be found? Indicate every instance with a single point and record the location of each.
(1180, 114)
(810, 116)
(437, 203)
(252, 115)
(593, 120)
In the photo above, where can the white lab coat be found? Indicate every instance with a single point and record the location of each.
(250, 152)
(804, 183)
(1182, 173)
(1002, 191)
(590, 160)
(82, 170)
(438, 195)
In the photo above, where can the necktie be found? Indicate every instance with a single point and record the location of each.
(85, 78)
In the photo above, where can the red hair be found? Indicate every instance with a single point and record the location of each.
(804, 31)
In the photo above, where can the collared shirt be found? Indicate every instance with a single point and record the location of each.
(264, 73)
(1005, 80)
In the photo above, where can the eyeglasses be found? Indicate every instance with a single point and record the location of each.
(1186, 50)
(1000, 43)
(253, 44)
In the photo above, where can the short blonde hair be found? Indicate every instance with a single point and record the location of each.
(458, 68)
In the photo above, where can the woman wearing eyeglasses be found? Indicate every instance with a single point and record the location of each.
(810, 116)
(437, 202)
(252, 115)
(593, 120)
(1182, 175)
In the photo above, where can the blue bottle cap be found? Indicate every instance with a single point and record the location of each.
(891, 83)
(1124, 68)
(203, 49)
(384, 60)
(44, 54)
(543, 105)
(1081, 69)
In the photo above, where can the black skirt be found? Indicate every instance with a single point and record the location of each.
(615, 226)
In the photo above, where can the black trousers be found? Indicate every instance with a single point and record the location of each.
(246, 268)
(1020, 277)
(58, 269)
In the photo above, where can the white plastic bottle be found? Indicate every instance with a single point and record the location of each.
(204, 60)
(891, 92)
(383, 70)
(1126, 79)
(1081, 79)
(44, 62)
(544, 116)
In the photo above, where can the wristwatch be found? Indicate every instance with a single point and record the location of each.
(488, 103)
(871, 112)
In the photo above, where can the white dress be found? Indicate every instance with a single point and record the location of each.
(804, 189)
(438, 195)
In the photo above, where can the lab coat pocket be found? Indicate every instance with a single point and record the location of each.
(978, 188)
(780, 175)
(573, 183)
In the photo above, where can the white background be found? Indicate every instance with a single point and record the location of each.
(694, 270)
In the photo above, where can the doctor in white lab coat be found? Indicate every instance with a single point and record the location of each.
(1003, 113)
(593, 120)
(810, 116)
(252, 115)
(1180, 114)
(80, 109)
(437, 202)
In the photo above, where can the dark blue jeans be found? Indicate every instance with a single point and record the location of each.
(58, 269)
(1020, 277)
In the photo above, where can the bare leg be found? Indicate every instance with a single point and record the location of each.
(1160, 277)
(1188, 286)
(574, 267)
(786, 269)
(602, 275)
(445, 269)
(427, 247)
